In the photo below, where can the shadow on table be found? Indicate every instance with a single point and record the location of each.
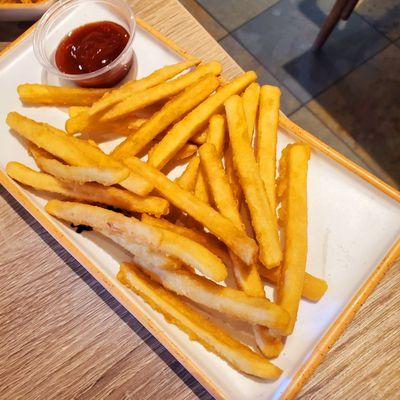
(124, 314)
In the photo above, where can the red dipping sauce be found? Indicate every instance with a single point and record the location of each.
(92, 47)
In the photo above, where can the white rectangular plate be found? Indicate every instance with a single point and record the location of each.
(352, 225)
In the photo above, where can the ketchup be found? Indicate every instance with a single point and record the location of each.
(92, 47)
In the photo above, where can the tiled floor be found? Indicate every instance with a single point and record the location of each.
(348, 94)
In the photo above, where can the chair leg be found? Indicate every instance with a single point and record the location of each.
(329, 23)
(348, 9)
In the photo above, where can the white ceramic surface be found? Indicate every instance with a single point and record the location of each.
(351, 227)
(24, 12)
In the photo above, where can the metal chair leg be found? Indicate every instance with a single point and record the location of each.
(329, 24)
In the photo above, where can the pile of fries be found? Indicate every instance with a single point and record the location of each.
(227, 215)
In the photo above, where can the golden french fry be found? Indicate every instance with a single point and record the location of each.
(250, 105)
(139, 239)
(147, 97)
(159, 76)
(72, 150)
(216, 136)
(205, 239)
(187, 151)
(169, 243)
(199, 328)
(268, 343)
(200, 138)
(246, 276)
(245, 164)
(226, 300)
(73, 111)
(58, 95)
(105, 175)
(170, 112)
(243, 246)
(292, 191)
(267, 130)
(182, 131)
(187, 180)
(160, 92)
(90, 192)
(313, 289)
(193, 254)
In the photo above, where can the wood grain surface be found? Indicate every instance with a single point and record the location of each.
(62, 336)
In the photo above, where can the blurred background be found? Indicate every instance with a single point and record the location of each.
(347, 93)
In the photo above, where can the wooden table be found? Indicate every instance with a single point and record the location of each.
(62, 336)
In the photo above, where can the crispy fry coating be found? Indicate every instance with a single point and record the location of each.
(200, 138)
(182, 131)
(313, 288)
(107, 176)
(292, 191)
(247, 277)
(207, 240)
(158, 76)
(267, 131)
(58, 95)
(90, 192)
(232, 302)
(269, 344)
(196, 326)
(187, 180)
(160, 92)
(245, 165)
(169, 113)
(250, 105)
(169, 243)
(243, 246)
(216, 136)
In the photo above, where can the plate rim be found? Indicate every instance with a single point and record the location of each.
(334, 330)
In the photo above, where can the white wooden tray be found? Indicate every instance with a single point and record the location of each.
(354, 224)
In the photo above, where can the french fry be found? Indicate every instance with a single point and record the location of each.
(250, 105)
(245, 164)
(267, 130)
(73, 151)
(58, 95)
(169, 243)
(226, 300)
(203, 238)
(292, 191)
(90, 192)
(187, 180)
(195, 325)
(270, 345)
(107, 176)
(147, 97)
(247, 277)
(182, 131)
(187, 151)
(200, 138)
(170, 112)
(73, 111)
(243, 246)
(313, 288)
(193, 254)
(159, 76)
(216, 136)
(160, 92)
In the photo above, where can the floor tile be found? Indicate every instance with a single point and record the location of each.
(363, 109)
(281, 38)
(233, 13)
(288, 102)
(384, 15)
(205, 19)
(308, 121)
